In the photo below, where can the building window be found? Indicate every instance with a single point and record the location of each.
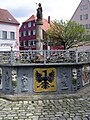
(34, 32)
(12, 35)
(21, 43)
(80, 17)
(29, 24)
(24, 33)
(30, 43)
(84, 17)
(26, 43)
(86, 26)
(29, 33)
(34, 42)
(4, 34)
(33, 24)
(84, 7)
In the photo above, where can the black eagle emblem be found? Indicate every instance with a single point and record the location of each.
(45, 79)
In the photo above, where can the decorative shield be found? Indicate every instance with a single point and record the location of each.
(44, 79)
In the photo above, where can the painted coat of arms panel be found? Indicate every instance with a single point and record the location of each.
(44, 79)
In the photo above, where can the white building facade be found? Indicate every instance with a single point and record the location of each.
(9, 32)
(8, 37)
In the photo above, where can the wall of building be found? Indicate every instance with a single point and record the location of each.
(5, 44)
(27, 37)
(44, 79)
(82, 16)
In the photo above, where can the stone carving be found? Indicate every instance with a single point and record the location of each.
(14, 78)
(7, 80)
(24, 82)
(64, 81)
(76, 74)
(85, 74)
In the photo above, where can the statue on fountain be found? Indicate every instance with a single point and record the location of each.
(39, 12)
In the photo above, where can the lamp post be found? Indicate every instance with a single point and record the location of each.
(11, 47)
(11, 54)
(76, 47)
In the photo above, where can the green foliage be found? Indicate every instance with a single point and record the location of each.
(14, 83)
(74, 81)
(65, 33)
(73, 34)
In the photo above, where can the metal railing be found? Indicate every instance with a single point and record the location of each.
(44, 57)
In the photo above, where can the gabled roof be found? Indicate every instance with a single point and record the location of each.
(6, 17)
(78, 7)
(45, 25)
(33, 17)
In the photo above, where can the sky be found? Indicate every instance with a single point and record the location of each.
(56, 9)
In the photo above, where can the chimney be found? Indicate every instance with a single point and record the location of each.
(49, 19)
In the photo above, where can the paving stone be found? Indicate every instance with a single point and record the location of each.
(35, 117)
(43, 118)
(45, 113)
(69, 119)
(60, 109)
(29, 114)
(85, 118)
(49, 116)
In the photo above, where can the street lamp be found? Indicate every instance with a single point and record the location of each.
(11, 47)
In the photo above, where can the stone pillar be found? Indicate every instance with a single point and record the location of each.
(39, 35)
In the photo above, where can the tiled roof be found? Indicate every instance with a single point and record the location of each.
(6, 17)
(33, 17)
(45, 25)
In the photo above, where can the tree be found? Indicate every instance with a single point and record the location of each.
(65, 33)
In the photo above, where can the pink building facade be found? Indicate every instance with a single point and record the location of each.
(82, 15)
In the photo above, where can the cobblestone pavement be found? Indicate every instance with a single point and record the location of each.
(63, 108)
